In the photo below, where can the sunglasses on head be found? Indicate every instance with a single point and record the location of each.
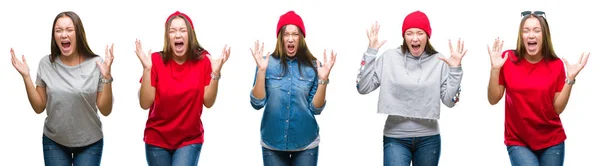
(536, 13)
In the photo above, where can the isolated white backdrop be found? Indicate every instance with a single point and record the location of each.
(351, 131)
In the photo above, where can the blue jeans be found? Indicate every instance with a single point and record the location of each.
(184, 156)
(282, 158)
(59, 155)
(422, 151)
(552, 156)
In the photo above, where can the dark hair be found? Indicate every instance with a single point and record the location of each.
(194, 51)
(81, 45)
(303, 54)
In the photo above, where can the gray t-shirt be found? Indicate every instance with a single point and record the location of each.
(73, 119)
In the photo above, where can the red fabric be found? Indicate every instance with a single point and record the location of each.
(174, 117)
(417, 19)
(177, 13)
(290, 17)
(530, 119)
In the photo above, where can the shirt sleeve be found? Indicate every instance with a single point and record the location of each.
(38, 79)
(311, 95)
(369, 73)
(257, 103)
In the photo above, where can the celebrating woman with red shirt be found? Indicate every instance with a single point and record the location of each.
(177, 82)
(537, 91)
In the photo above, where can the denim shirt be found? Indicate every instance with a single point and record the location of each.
(288, 122)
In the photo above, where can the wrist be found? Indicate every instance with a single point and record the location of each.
(323, 81)
(215, 75)
(108, 76)
(25, 76)
(106, 80)
(570, 81)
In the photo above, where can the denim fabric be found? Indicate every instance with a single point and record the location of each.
(288, 121)
(422, 151)
(184, 156)
(307, 157)
(59, 155)
(523, 156)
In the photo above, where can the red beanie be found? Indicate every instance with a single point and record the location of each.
(177, 13)
(417, 19)
(290, 18)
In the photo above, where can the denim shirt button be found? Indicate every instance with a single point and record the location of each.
(288, 93)
(289, 78)
(287, 121)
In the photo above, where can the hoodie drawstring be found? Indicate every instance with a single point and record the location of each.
(420, 67)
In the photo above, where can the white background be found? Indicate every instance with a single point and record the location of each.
(351, 131)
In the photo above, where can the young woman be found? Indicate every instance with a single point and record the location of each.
(533, 130)
(290, 84)
(72, 84)
(176, 84)
(414, 78)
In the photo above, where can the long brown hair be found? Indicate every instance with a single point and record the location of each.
(81, 44)
(547, 48)
(194, 51)
(303, 55)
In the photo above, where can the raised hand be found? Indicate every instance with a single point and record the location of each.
(574, 69)
(323, 69)
(373, 38)
(21, 66)
(496, 54)
(217, 63)
(108, 59)
(145, 59)
(257, 53)
(455, 55)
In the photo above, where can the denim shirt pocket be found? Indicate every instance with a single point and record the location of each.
(305, 80)
(273, 81)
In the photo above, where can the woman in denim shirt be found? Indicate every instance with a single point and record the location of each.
(290, 84)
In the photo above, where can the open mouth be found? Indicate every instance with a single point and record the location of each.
(532, 45)
(179, 45)
(415, 47)
(290, 48)
(66, 44)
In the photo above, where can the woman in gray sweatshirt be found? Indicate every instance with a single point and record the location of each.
(413, 79)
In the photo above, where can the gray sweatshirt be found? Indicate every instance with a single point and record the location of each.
(411, 89)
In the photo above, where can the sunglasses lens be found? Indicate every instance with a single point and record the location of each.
(525, 13)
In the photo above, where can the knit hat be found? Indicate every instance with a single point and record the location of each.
(177, 13)
(417, 19)
(290, 18)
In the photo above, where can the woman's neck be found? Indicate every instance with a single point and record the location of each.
(534, 58)
(179, 60)
(71, 60)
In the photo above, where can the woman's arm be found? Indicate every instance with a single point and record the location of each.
(210, 91)
(105, 99)
(495, 90)
(36, 95)
(147, 91)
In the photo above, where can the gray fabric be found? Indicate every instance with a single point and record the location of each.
(403, 127)
(72, 119)
(411, 86)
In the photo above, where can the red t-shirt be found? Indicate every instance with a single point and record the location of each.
(174, 117)
(530, 119)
